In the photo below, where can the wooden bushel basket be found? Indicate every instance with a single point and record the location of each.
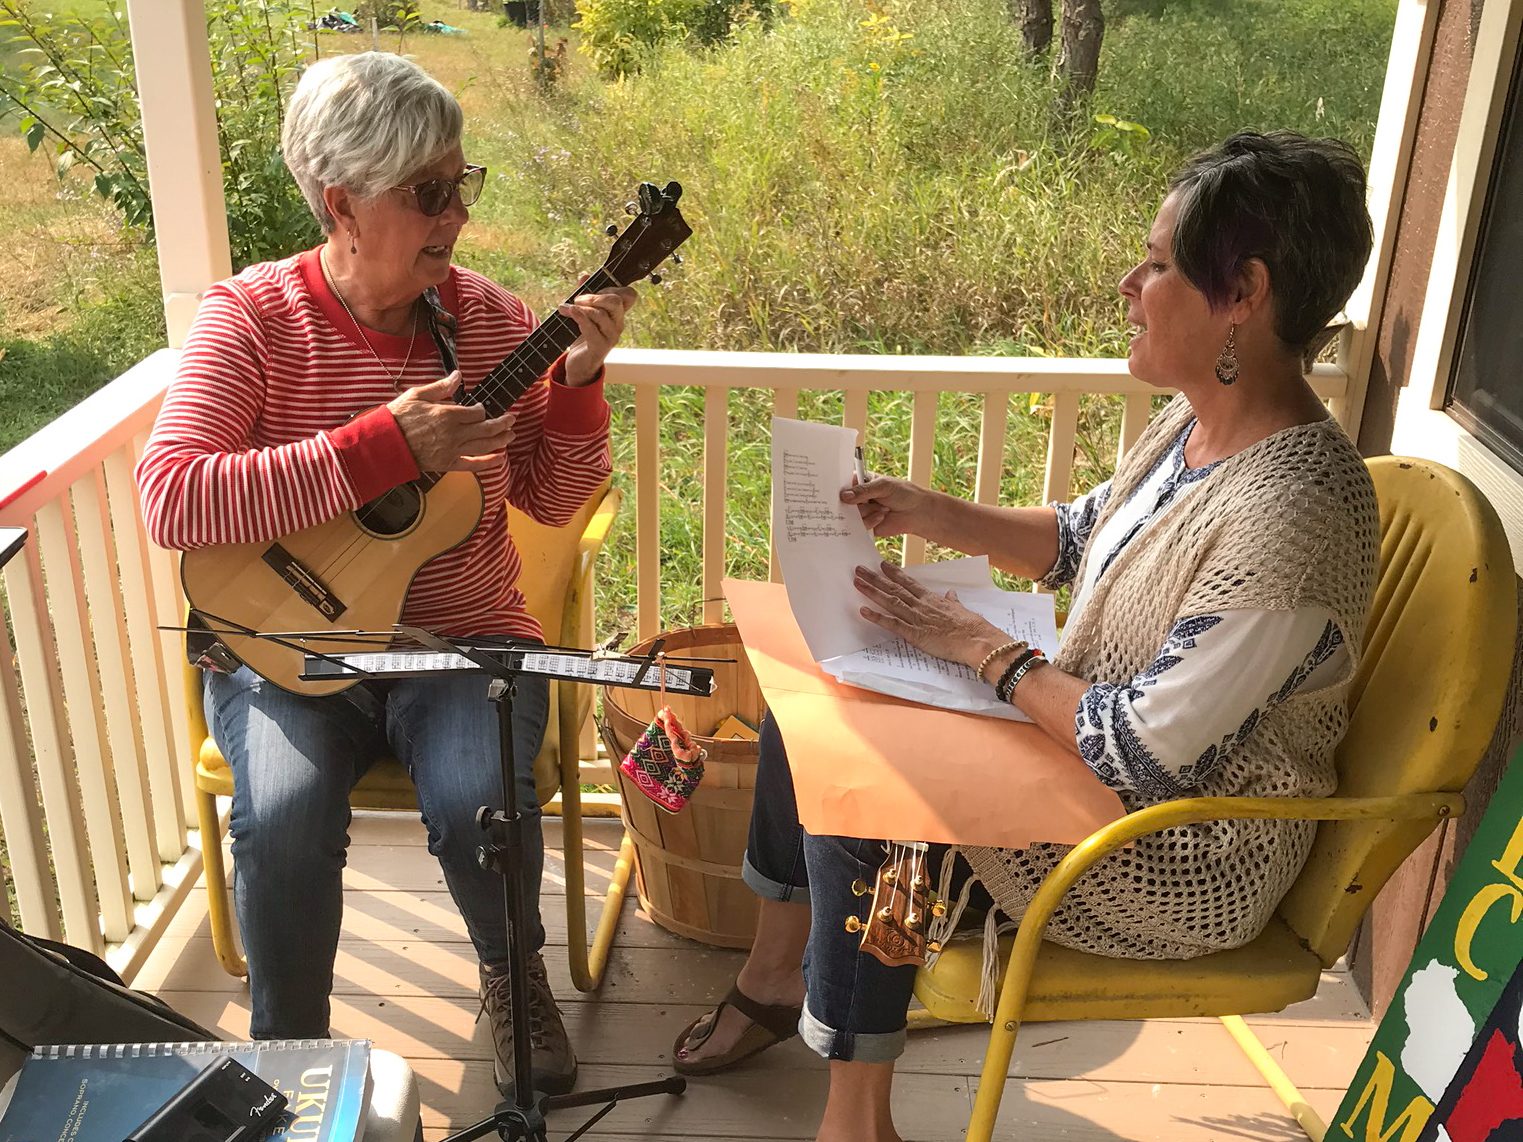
(687, 864)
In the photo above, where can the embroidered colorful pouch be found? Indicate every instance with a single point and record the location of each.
(665, 764)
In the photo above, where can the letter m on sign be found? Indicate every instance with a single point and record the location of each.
(1374, 1106)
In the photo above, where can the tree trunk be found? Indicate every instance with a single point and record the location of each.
(1079, 60)
(1035, 19)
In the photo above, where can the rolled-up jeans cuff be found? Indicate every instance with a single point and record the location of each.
(769, 889)
(850, 1047)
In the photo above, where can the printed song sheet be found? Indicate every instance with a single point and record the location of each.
(617, 671)
(821, 541)
(899, 669)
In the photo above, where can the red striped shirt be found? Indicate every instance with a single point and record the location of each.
(254, 439)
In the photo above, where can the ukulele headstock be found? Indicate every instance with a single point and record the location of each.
(903, 904)
(653, 234)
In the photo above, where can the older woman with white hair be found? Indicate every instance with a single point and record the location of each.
(258, 437)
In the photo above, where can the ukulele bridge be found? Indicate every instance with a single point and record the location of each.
(301, 580)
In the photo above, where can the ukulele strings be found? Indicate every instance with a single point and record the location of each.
(341, 560)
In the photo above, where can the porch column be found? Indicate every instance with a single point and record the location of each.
(174, 82)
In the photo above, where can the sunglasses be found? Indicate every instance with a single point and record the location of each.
(434, 195)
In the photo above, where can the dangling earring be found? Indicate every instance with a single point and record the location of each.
(1226, 360)
(352, 250)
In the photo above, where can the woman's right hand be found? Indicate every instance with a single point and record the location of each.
(892, 507)
(446, 436)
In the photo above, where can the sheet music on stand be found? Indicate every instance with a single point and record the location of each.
(551, 663)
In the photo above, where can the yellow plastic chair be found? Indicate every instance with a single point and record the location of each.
(556, 581)
(1423, 706)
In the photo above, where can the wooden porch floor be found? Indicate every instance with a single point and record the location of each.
(406, 978)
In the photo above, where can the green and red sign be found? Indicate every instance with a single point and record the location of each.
(1446, 1063)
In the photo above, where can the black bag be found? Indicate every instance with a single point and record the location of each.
(54, 994)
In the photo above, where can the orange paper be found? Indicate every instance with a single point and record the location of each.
(868, 765)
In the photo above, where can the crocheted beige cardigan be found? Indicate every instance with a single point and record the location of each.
(1289, 522)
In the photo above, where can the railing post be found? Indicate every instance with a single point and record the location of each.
(174, 82)
(716, 455)
(1390, 158)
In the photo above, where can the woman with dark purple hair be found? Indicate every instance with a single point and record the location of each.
(1220, 585)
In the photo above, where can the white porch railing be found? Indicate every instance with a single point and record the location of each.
(91, 714)
(95, 776)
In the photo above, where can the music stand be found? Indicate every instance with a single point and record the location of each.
(506, 662)
(12, 539)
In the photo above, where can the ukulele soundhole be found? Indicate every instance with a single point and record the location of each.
(392, 514)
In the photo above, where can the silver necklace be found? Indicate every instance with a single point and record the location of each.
(396, 380)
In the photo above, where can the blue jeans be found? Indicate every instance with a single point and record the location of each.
(294, 760)
(855, 1006)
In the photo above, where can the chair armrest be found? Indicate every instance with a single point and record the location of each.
(1189, 811)
(1194, 810)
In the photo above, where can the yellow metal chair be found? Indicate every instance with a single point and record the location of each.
(1423, 706)
(557, 581)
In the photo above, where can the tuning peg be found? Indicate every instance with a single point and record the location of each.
(933, 946)
(655, 279)
(912, 921)
(938, 909)
(611, 230)
(853, 924)
(631, 208)
(676, 259)
(885, 914)
(890, 876)
(918, 882)
(859, 887)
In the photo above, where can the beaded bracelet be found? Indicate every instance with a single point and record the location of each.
(1005, 687)
(995, 653)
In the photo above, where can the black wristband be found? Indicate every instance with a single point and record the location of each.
(1006, 684)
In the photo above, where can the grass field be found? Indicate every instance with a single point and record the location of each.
(862, 178)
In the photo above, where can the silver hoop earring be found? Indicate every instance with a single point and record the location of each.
(1226, 361)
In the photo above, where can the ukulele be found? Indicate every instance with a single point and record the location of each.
(352, 573)
(894, 932)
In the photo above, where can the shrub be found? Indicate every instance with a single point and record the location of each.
(617, 34)
(400, 14)
(75, 90)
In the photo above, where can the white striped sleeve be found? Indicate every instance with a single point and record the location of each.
(200, 481)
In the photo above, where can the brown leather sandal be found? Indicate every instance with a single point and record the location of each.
(770, 1024)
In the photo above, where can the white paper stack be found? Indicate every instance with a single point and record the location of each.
(821, 542)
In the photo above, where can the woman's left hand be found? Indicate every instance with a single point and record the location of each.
(928, 620)
(600, 317)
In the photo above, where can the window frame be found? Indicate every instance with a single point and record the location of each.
(1423, 427)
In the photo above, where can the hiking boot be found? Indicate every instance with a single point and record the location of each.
(552, 1061)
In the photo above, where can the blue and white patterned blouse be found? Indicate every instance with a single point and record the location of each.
(1216, 675)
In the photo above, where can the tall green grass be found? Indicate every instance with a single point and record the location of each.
(851, 190)
(895, 183)
(860, 178)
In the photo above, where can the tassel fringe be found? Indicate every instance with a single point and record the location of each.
(942, 928)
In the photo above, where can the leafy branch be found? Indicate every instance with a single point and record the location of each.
(76, 88)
